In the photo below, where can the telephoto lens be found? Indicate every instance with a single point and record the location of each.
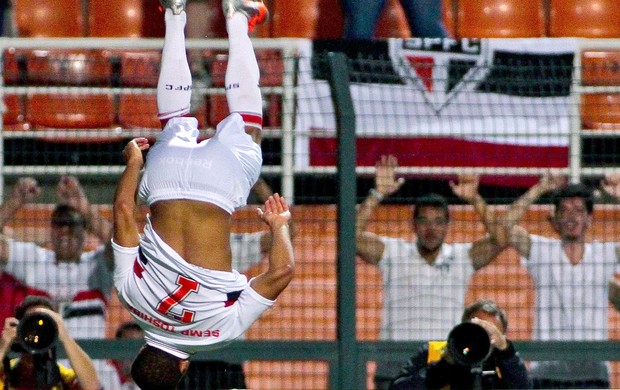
(37, 333)
(469, 344)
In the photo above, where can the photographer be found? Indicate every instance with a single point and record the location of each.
(502, 369)
(38, 368)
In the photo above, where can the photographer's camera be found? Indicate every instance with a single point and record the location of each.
(469, 344)
(37, 333)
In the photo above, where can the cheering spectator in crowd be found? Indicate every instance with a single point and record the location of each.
(424, 17)
(574, 278)
(503, 368)
(424, 280)
(78, 281)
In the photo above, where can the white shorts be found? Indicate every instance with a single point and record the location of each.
(183, 308)
(220, 170)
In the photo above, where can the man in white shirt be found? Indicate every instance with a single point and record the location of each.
(424, 280)
(574, 278)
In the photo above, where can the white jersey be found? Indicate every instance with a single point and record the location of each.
(183, 308)
(220, 170)
(571, 300)
(422, 301)
(80, 289)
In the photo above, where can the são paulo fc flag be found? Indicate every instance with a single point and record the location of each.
(432, 102)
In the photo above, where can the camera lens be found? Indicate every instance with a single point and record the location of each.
(469, 344)
(37, 332)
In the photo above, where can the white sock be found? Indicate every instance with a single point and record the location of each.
(174, 88)
(242, 74)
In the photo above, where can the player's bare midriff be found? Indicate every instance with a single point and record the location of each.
(198, 231)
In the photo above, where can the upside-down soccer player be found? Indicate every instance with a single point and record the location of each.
(176, 279)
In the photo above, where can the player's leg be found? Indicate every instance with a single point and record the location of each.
(174, 88)
(242, 73)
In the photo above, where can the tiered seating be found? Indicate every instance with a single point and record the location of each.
(138, 69)
(13, 117)
(600, 111)
(68, 111)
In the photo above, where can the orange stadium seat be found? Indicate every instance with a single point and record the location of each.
(270, 63)
(584, 18)
(139, 68)
(138, 112)
(115, 18)
(600, 67)
(14, 117)
(600, 111)
(293, 19)
(49, 18)
(14, 64)
(217, 109)
(500, 19)
(68, 67)
(449, 16)
(71, 112)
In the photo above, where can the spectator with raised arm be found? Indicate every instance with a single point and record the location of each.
(78, 281)
(574, 277)
(425, 279)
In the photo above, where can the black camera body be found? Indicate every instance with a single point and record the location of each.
(37, 333)
(469, 344)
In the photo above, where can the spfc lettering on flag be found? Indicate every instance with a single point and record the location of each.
(441, 68)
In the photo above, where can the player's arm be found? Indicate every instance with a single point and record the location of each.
(125, 227)
(280, 272)
(263, 191)
(369, 245)
(26, 190)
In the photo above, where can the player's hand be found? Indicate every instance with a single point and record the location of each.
(386, 182)
(132, 153)
(26, 189)
(611, 185)
(467, 187)
(275, 213)
(498, 339)
(9, 332)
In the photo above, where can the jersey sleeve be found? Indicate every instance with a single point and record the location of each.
(124, 258)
